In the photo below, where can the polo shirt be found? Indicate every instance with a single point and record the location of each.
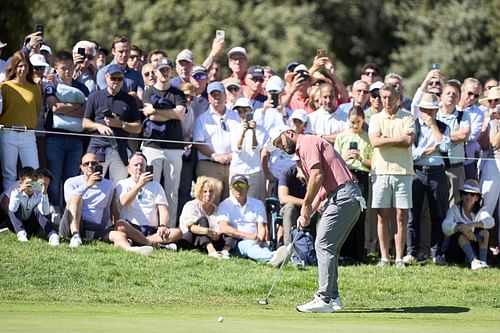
(392, 159)
(133, 79)
(456, 153)
(296, 186)
(243, 218)
(313, 150)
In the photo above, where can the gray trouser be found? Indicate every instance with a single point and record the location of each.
(341, 213)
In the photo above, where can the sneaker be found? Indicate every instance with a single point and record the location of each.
(171, 246)
(280, 256)
(215, 254)
(336, 304)
(75, 241)
(4, 231)
(439, 260)
(476, 264)
(317, 305)
(224, 254)
(142, 250)
(484, 264)
(409, 259)
(54, 239)
(399, 263)
(383, 263)
(22, 236)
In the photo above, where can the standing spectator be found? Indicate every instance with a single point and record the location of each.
(148, 75)
(155, 55)
(142, 203)
(243, 219)
(459, 124)
(298, 83)
(86, 69)
(133, 83)
(111, 112)
(469, 94)
(360, 96)
(65, 98)
(22, 101)
(355, 148)
(183, 66)
(433, 84)
(432, 138)
(254, 86)
(233, 91)
(212, 130)
(238, 64)
(329, 180)
(165, 109)
(396, 81)
(391, 133)
(466, 224)
(200, 98)
(370, 73)
(135, 60)
(375, 101)
(272, 113)
(214, 71)
(100, 59)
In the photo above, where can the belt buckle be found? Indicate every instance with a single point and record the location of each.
(16, 128)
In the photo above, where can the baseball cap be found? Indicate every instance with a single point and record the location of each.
(275, 132)
(242, 102)
(471, 186)
(215, 86)
(300, 114)
(46, 48)
(199, 70)
(300, 68)
(38, 60)
(274, 84)
(186, 55)
(291, 66)
(237, 49)
(164, 62)
(114, 68)
(239, 178)
(376, 85)
(256, 71)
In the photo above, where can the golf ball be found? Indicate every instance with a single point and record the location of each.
(220, 319)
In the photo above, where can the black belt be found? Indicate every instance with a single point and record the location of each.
(429, 168)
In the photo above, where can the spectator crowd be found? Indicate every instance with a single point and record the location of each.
(149, 151)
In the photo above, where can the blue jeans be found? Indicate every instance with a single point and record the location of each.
(248, 248)
(63, 155)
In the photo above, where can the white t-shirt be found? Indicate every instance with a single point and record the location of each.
(143, 210)
(243, 218)
(247, 159)
(324, 123)
(192, 211)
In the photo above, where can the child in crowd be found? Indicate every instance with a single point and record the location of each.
(29, 206)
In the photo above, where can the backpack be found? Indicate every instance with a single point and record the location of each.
(304, 246)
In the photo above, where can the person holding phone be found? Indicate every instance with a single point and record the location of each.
(29, 207)
(355, 148)
(247, 141)
(84, 59)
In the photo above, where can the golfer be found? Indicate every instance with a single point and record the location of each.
(328, 181)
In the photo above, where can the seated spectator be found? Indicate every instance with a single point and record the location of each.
(142, 203)
(243, 218)
(466, 224)
(354, 146)
(91, 211)
(29, 206)
(198, 220)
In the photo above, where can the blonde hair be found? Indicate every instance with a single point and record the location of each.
(213, 184)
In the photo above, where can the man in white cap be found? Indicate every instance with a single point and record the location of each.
(238, 64)
(272, 113)
(328, 179)
(184, 63)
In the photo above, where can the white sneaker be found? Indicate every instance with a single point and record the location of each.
(215, 254)
(224, 254)
(484, 264)
(476, 264)
(54, 239)
(22, 236)
(336, 304)
(317, 305)
(4, 230)
(280, 256)
(142, 250)
(172, 247)
(75, 241)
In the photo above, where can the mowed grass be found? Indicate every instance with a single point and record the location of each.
(99, 288)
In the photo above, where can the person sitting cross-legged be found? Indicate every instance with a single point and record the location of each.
(142, 202)
(244, 219)
(91, 212)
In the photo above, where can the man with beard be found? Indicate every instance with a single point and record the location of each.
(328, 180)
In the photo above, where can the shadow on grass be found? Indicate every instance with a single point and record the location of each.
(415, 309)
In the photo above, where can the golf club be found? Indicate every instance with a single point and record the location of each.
(278, 273)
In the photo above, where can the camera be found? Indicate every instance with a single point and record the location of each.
(353, 145)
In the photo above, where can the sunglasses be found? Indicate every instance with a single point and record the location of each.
(239, 186)
(492, 101)
(257, 79)
(116, 78)
(470, 93)
(364, 92)
(39, 68)
(90, 163)
(375, 95)
(233, 89)
(371, 73)
(434, 83)
(223, 124)
(148, 73)
(199, 76)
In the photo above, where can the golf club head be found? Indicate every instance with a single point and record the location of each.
(263, 302)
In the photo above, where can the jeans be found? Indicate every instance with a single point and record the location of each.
(248, 248)
(63, 155)
(14, 144)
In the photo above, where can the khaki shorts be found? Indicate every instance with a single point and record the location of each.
(392, 191)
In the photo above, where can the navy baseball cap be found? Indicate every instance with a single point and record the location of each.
(113, 69)
(239, 179)
(215, 86)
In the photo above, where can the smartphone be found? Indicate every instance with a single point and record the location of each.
(36, 186)
(81, 51)
(249, 116)
(220, 34)
(435, 66)
(39, 27)
(149, 168)
(276, 100)
(107, 113)
(320, 53)
(353, 145)
(98, 168)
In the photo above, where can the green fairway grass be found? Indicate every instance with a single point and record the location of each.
(99, 288)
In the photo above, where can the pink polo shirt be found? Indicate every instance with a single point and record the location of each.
(312, 150)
